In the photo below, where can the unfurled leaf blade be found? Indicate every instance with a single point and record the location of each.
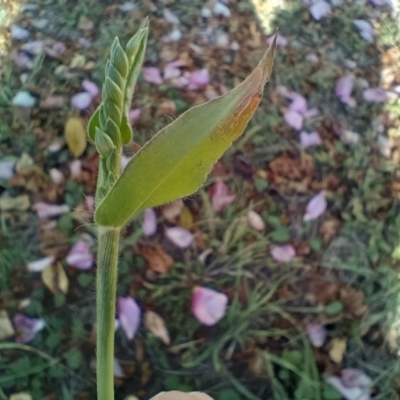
(175, 163)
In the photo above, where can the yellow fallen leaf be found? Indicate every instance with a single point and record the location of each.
(20, 203)
(337, 349)
(155, 324)
(55, 278)
(75, 136)
(78, 61)
(6, 327)
(186, 218)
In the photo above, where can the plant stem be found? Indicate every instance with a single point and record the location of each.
(107, 267)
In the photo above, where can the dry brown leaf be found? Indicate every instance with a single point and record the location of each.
(329, 229)
(353, 301)
(172, 211)
(6, 327)
(158, 260)
(175, 395)
(55, 278)
(337, 349)
(75, 136)
(155, 324)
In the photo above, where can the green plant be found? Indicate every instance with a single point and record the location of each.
(174, 164)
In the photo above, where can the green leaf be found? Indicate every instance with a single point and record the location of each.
(281, 234)
(74, 358)
(94, 123)
(333, 308)
(176, 162)
(125, 129)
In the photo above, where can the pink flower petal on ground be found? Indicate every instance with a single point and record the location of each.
(23, 61)
(152, 75)
(283, 253)
(149, 222)
(354, 393)
(180, 237)
(80, 256)
(27, 328)
(90, 87)
(129, 316)
(375, 95)
(352, 377)
(316, 207)
(320, 9)
(179, 82)
(365, 30)
(81, 101)
(56, 50)
(220, 196)
(280, 40)
(208, 305)
(170, 71)
(40, 265)
(198, 79)
(299, 103)
(170, 17)
(311, 113)
(293, 119)
(7, 169)
(309, 139)
(134, 115)
(379, 3)
(344, 88)
(221, 10)
(316, 333)
(45, 210)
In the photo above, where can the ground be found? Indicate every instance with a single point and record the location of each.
(333, 265)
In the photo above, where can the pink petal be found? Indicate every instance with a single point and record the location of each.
(352, 377)
(316, 333)
(129, 316)
(344, 87)
(294, 119)
(90, 87)
(40, 265)
(316, 207)
(375, 95)
(311, 113)
(149, 222)
(81, 101)
(171, 71)
(180, 82)
(220, 197)
(23, 61)
(208, 305)
(27, 328)
(199, 79)
(299, 103)
(355, 393)
(280, 40)
(221, 10)
(365, 29)
(309, 139)
(56, 176)
(170, 17)
(180, 237)
(283, 253)
(89, 204)
(320, 9)
(134, 115)
(80, 256)
(152, 75)
(56, 50)
(45, 210)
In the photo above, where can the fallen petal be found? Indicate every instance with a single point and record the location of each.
(316, 207)
(352, 377)
(375, 95)
(56, 50)
(283, 253)
(39, 23)
(208, 305)
(281, 41)
(80, 256)
(354, 393)
(156, 325)
(129, 316)
(299, 104)
(134, 115)
(255, 221)
(23, 61)
(6, 170)
(35, 47)
(152, 75)
(149, 222)
(344, 87)
(27, 328)
(294, 119)
(220, 196)
(316, 333)
(75, 168)
(309, 139)
(171, 71)
(311, 113)
(90, 87)
(45, 210)
(206, 12)
(19, 33)
(379, 3)
(180, 237)
(170, 17)
(198, 79)
(365, 30)
(56, 176)
(81, 101)
(320, 9)
(221, 10)
(39, 265)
